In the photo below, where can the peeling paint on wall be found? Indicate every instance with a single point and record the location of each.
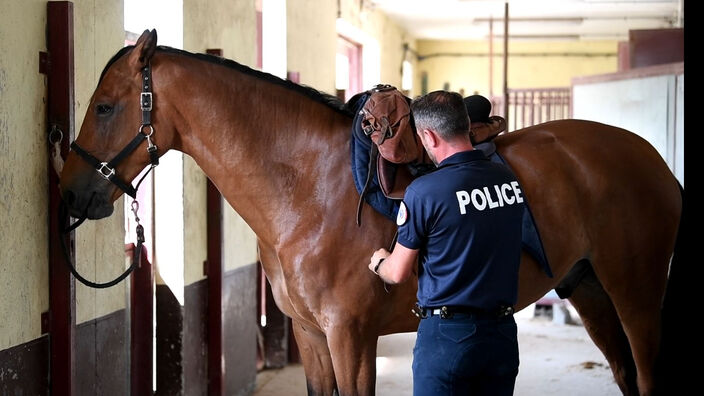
(4, 134)
(23, 182)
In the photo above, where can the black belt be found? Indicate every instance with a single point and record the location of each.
(446, 312)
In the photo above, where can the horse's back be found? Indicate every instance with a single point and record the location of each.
(603, 159)
(586, 141)
(593, 187)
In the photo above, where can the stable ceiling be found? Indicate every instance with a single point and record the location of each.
(531, 19)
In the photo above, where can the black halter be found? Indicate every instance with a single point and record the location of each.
(107, 170)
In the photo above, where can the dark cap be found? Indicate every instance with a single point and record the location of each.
(478, 108)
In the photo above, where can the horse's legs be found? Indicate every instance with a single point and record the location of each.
(603, 325)
(353, 353)
(638, 308)
(317, 364)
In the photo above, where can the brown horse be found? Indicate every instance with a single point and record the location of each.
(279, 154)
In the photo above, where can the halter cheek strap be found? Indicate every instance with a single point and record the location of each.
(107, 169)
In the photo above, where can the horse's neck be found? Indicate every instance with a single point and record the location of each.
(263, 145)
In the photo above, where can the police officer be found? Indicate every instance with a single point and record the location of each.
(464, 221)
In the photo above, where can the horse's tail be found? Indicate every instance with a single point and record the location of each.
(676, 318)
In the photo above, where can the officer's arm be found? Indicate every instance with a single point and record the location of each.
(397, 266)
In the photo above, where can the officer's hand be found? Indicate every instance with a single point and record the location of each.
(378, 255)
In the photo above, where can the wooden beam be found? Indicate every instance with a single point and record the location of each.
(215, 277)
(491, 58)
(141, 323)
(60, 113)
(506, 63)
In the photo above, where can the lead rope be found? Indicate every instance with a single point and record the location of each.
(136, 256)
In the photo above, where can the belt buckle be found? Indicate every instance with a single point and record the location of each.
(419, 311)
(505, 311)
(445, 313)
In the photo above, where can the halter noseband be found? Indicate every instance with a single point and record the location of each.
(107, 169)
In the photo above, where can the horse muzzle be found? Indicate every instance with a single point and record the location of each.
(89, 204)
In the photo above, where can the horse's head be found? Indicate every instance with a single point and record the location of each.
(112, 147)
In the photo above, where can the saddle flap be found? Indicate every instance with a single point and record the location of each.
(393, 178)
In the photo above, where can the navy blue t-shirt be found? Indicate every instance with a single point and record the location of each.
(465, 218)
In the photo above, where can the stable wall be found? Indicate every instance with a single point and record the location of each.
(390, 39)
(24, 270)
(100, 245)
(547, 64)
(647, 101)
(312, 42)
(102, 331)
(24, 273)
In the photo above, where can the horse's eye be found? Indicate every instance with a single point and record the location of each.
(104, 109)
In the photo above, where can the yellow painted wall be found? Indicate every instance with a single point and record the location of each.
(100, 245)
(230, 26)
(388, 34)
(195, 222)
(311, 42)
(24, 276)
(239, 241)
(532, 71)
(391, 39)
(225, 24)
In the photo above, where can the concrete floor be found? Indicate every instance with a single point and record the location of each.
(555, 360)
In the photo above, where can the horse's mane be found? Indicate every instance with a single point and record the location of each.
(114, 59)
(309, 92)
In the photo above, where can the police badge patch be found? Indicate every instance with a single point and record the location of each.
(402, 215)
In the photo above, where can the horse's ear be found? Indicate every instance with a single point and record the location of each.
(143, 49)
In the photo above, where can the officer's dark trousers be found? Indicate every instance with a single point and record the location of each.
(465, 355)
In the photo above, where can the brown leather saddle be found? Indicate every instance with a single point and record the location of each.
(397, 151)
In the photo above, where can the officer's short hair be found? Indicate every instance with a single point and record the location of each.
(443, 112)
